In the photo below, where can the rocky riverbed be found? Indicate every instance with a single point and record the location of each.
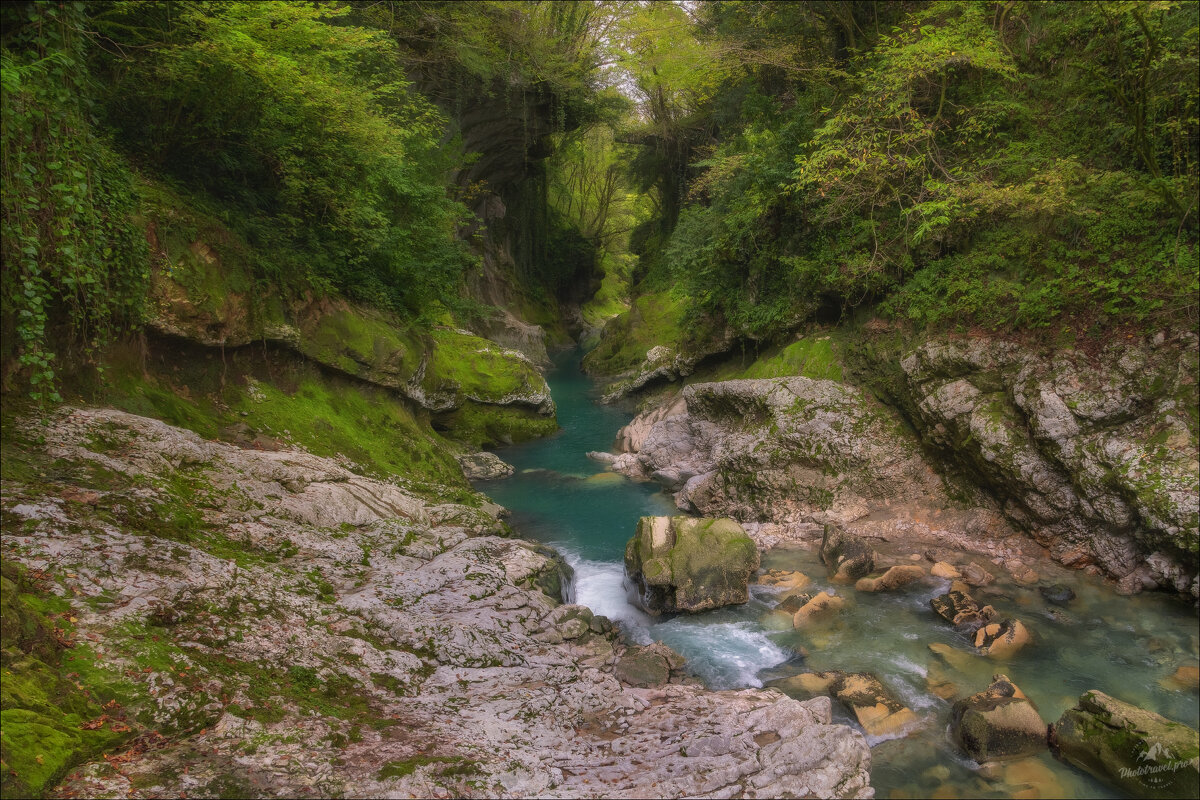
(253, 623)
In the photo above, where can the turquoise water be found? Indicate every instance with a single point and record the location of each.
(1120, 645)
(560, 496)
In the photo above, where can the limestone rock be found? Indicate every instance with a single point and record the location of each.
(1140, 752)
(687, 564)
(1091, 453)
(1002, 640)
(943, 570)
(306, 597)
(862, 694)
(895, 578)
(997, 723)
(647, 666)
(484, 466)
(786, 579)
(849, 556)
(975, 575)
(780, 449)
(960, 609)
(822, 605)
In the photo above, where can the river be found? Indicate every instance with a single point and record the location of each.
(1124, 646)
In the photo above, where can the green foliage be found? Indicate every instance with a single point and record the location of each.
(334, 165)
(75, 267)
(1004, 166)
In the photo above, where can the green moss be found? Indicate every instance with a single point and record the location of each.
(654, 319)
(479, 369)
(41, 708)
(811, 357)
(360, 343)
(216, 269)
(272, 395)
(483, 425)
(406, 767)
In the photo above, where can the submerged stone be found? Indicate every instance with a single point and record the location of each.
(688, 564)
(1057, 594)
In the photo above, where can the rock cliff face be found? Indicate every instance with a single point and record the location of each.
(1096, 459)
(273, 623)
(484, 391)
(781, 449)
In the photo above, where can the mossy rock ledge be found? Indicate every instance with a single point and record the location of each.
(687, 564)
(1137, 751)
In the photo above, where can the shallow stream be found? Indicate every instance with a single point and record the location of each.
(1126, 646)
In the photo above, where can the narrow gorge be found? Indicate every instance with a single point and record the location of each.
(600, 399)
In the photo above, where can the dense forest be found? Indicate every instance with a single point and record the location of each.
(750, 165)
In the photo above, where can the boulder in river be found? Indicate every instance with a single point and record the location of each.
(822, 605)
(1138, 751)
(997, 723)
(879, 714)
(894, 578)
(943, 569)
(688, 564)
(1002, 639)
(960, 609)
(849, 556)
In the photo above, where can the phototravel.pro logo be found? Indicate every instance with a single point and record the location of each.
(1158, 767)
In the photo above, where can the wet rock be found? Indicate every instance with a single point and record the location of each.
(647, 666)
(602, 457)
(484, 466)
(847, 555)
(688, 564)
(1138, 751)
(960, 609)
(944, 570)
(1002, 640)
(975, 575)
(793, 602)
(1057, 594)
(998, 723)
(862, 694)
(876, 710)
(783, 579)
(895, 578)
(822, 605)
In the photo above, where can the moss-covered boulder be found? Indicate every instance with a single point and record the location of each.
(998, 723)
(1138, 751)
(688, 564)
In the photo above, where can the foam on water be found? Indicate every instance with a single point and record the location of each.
(726, 655)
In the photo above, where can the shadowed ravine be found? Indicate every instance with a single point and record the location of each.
(1123, 645)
